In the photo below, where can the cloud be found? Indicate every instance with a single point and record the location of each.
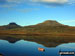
(51, 1)
(69, 21)
(10, 3)
(16, 1)
(54, 2)
(21, 10)
(2, 1)
(25, 10)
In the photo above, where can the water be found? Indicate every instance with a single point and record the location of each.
(28, 48)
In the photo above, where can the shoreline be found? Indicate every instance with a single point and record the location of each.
(43, 34)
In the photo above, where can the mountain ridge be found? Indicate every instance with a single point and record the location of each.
(47, 22)
(47, 27)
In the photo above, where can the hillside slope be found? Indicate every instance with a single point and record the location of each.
(11, 25)
(47, 27)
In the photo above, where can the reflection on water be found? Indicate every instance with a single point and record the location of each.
(27, 48)
(11, 46)
(67, 55)
(48, 41)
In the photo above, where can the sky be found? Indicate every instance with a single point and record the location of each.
(31, 12)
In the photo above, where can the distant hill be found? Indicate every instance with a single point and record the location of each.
(46, 27)
(50, 23)
(11, 25)
(50, 26)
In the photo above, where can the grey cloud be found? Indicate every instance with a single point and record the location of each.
(53, 4)
(10, 3)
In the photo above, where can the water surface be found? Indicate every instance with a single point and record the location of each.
(28, 48)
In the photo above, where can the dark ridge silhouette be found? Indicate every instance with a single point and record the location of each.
(11, 25)
(10, 39)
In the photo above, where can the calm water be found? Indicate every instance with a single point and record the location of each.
(27, 48)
